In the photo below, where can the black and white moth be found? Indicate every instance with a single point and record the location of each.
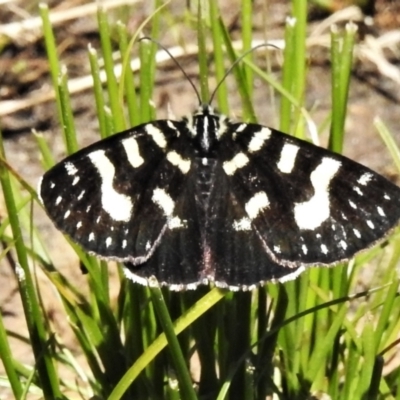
(205, 199)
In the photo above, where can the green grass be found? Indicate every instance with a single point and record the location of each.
(317, 334)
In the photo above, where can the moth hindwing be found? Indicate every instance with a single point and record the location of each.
(205, 199)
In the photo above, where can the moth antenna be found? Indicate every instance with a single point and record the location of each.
(176, 63)
(237, 61)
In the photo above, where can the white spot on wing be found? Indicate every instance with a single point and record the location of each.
(257, 203)
(343, 244)
(243, 224)
(124, 243)
(157, 135)
(58, 200)
(386, 197)
(81, 195)
(357, 233)
(358, 190)
(288, 158)
(380, 211)
(75, 181)
(258, 139)
(164, 201)
(312, 213)
(71, 169)
(277, 249)
(175, 159)
(370, 224)
(79, 225)
(352, 205)
(132, 152)
(365, 178)
(117, 205)
(108, 241)
(176, 223)
(171, 125)
(241, 128)
(324, 249)
(304, 249)
(67, 214)
(237, 162)
(91, 237)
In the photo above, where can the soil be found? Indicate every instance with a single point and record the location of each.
(24, 74)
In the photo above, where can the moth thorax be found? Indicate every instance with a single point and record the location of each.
(206, 128)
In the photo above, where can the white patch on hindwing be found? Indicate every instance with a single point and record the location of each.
(164, 201)
(243, 224)
(175, 159)
(256, 204)
(237, 162)
(176, 223)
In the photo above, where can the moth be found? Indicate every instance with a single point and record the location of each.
(205, 199)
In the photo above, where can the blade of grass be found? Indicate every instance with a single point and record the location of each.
(127, 77)
(51, 51)
(181, 369)
(98, 91)
(222, 93)
(112, 87)
(320, 352)
(69, 135)
(389, 141)
(299, 59)
(342, 58)
(7, 359)
(202, 55)
(248, 111)
(182, 323)
(146, 80)
(37, 332)
(287, 75)
(247, 30)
